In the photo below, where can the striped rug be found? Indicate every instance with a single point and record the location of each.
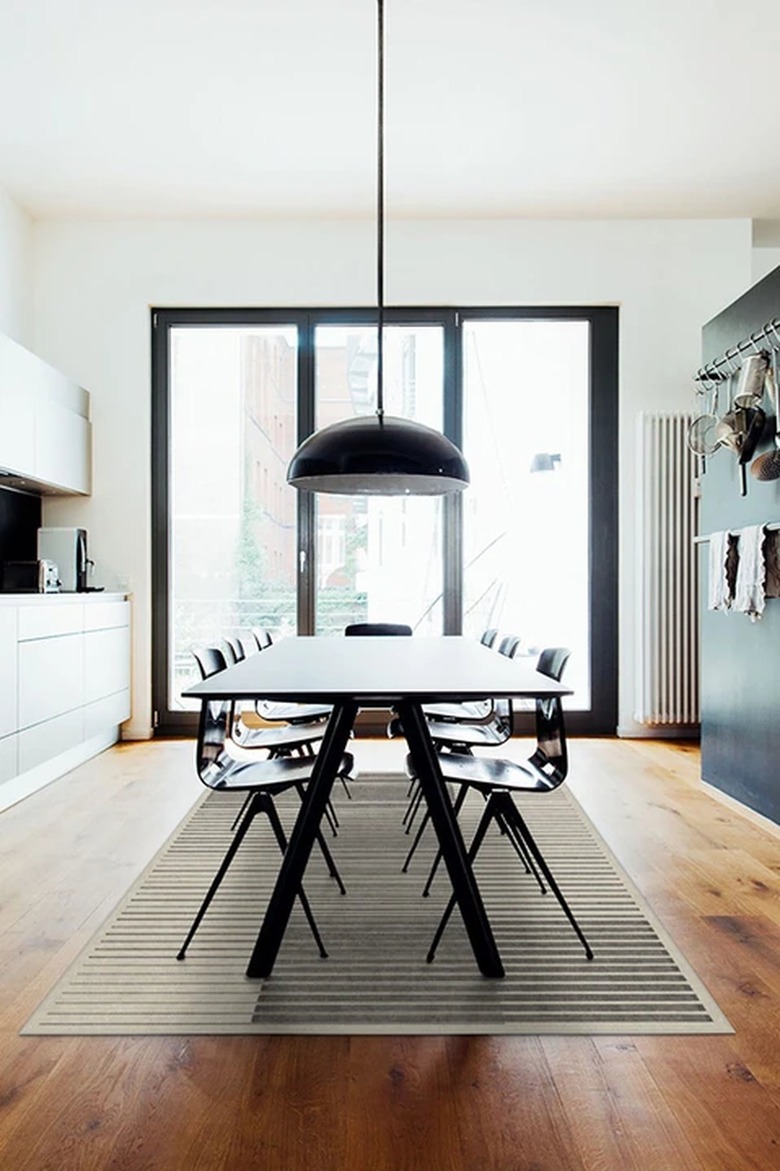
(127, 981)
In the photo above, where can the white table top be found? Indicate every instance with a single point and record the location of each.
(377, 671)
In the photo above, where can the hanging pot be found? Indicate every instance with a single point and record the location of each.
(752, 374)
(751, 424)
(728, 431)
(767, 466)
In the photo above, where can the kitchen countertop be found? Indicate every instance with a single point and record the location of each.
(35, 599)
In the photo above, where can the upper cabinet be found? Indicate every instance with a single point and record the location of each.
(45, 432)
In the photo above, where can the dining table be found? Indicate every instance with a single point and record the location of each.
(402, 674)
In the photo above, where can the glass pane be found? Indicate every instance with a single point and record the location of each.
(526, 388)
(379, 559)
(232, 514)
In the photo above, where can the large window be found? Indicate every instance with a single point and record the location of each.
(378, 558)
(528, 548)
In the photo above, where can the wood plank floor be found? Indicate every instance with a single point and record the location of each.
(710, 1103)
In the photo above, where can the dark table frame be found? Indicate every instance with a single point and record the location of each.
(376, 672)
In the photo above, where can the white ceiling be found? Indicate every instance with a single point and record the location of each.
(577, 108)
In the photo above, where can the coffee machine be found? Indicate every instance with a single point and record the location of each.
(67, 548)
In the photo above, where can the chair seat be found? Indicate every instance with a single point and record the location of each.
(489, 735)
(294, 713)
(488, 773)
(275, 775)
(286, 736)
(480, 709)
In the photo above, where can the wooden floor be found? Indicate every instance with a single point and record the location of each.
(390, 1104)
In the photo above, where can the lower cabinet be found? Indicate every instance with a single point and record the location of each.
(66, 674)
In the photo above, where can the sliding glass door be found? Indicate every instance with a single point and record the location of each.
(529, 548)
(378, 559)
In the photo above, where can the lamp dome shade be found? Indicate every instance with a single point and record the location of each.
(378, 455)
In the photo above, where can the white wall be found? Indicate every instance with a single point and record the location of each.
(15, 271)
(94, 283)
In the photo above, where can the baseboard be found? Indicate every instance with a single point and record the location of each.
(44, 774)
(730, 802)
(644, 732)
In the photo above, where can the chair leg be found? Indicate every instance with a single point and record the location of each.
(331, 865)
(276, 826)
(259, 803)
(411, 810)
(457, 806)
(517, 823)
(332, 820)
(479, 834)
(518, 845)
(241, 811)
(255, 806)
(416, 842)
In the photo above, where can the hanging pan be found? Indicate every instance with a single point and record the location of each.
(752, 376)
(752, 426)
(702, 432)
(767, 466)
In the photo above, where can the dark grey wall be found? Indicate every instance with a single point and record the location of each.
(740, 669)
(20, 518)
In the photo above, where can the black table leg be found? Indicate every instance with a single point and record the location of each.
(302, 839)
(453, 848)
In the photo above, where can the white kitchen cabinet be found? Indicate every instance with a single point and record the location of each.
(66, 684)
(9, 766)
(63, 451)
(45, 742)
(45, 432)
(51, 678)
(17, 432)
(106, 662)
(8, 673)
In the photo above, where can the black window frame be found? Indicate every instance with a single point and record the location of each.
(603, 461)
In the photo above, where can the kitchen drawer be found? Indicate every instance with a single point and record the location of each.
(47, 619)
(42, 743)
(8, 758)
(8, 679)
(106, 713)
(106, 662)
(105, 615)
(51, 678)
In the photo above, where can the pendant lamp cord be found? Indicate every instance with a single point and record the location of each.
(380, 209)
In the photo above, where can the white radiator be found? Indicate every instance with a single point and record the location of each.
(668, 626)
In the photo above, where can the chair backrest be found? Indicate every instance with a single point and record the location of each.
(502, 708)
(488, 637)
(210, 660)
(248, 646)
(508, 645)
(551, 755)
(261, 637)
(215, 720)
(216, 716)
(552, 661)
(359, 628)
(235, 651)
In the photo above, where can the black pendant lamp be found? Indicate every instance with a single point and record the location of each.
(379, 455)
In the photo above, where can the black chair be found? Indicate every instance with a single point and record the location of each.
(261, 782)
(262, 637)
(496, 780)
(461, 736)
(268, 710)
(280, 741)
(474, 711)
(380, 628)
(465, 737)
